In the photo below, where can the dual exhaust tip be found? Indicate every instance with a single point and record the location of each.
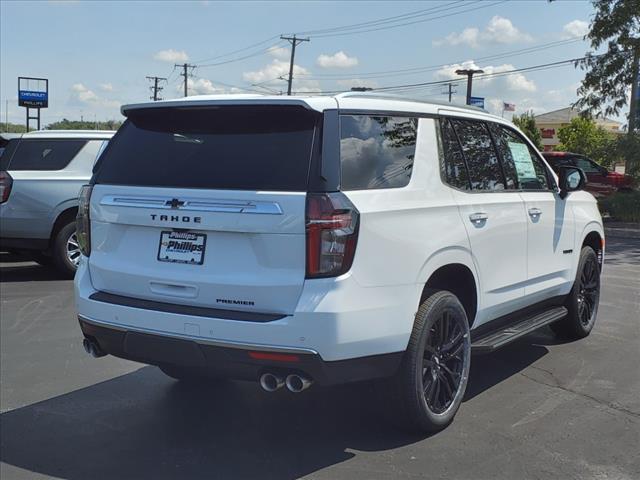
(92, 348)
(270, 382)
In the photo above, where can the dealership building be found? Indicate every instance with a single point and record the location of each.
(549, 123)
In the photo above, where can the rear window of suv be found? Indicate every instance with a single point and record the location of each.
(42, 154)
(376, 151)
(228, 147)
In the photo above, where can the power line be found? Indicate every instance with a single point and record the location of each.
(254, 54)
(156, 88)
(410, 86)
(416, 70)
(293, 41)
(340, 34)
(208, 59)
(384, 20)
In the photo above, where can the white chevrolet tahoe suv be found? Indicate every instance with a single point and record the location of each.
(301, 240)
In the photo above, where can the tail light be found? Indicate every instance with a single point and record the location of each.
(6, 182)
(332, 233)
(83, 224)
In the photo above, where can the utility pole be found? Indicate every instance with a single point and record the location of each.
(451, 91)
(635, 90)
(293, 41)
(6, 116)
(185, 74)
(155, 88)
(469, 72)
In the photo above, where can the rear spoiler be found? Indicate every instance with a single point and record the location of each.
(316, 103)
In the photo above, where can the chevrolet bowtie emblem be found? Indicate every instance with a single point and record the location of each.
(174, 203)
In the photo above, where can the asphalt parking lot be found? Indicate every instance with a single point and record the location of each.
(537, 409)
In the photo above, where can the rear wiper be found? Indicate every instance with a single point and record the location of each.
(184, 139)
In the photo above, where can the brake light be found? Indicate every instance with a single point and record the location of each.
(332, 234)
(6, 182)
(83, 224)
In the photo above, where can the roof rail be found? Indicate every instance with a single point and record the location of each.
(390, 96)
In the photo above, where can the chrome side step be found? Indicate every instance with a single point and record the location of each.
(499, 338)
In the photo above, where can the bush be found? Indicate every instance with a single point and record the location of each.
(623, 206)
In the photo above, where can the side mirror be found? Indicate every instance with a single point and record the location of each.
(571, 179)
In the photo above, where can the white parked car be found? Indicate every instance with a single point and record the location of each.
(301, 240)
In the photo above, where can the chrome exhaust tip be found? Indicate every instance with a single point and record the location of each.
(92, 348)
(297, 383)
(270, 382)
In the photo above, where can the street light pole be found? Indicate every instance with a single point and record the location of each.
(469, 72)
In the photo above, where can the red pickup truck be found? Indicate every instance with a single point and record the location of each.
(600, 181)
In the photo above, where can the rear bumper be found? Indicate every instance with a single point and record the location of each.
(337, 319)
(232, 360)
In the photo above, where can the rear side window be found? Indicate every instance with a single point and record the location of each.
(455, 169)
(44, 154)
(587, 165)
(517, 157)
(482, 160)
(228, 147)
(376, 152)
(7, 152)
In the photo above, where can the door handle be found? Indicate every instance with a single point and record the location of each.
(535, 212)
(478, 217)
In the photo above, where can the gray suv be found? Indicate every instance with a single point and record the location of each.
(40, 176)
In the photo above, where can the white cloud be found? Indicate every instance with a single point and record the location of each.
(337, 60)
(199, 86)
(106, 87)
(171, 55)
(575, 29)
(273, 73)
(82, 95)
(279, 52)
(513, 82)
(469, 36)
(498, 30)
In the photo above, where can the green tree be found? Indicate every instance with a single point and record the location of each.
(12, 128)
(583, 136)
(527, 123)
(604, 90)
(66, 124)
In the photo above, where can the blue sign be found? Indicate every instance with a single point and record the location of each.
(29, 98)
(476, 101)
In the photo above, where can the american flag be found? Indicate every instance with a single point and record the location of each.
(508, 107)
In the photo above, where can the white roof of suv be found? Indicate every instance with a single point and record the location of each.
(106, 134)
(347, 100)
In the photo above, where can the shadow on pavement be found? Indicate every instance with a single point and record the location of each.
(144, 425)
(18, 268)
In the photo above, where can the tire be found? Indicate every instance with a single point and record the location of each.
(582, 301)
(432, 379)
(64, 251)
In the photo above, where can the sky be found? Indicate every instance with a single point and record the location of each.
(97, 54)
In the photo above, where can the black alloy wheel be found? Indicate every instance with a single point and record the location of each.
(589, 291)
(443, 362)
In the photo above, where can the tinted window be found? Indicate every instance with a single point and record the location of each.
(239, 147)
(480, 155)
(517, 154)
(454, 168)
(376, 152)
(586, 165)
(506, 157)
(7, 152)
(45, 154)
